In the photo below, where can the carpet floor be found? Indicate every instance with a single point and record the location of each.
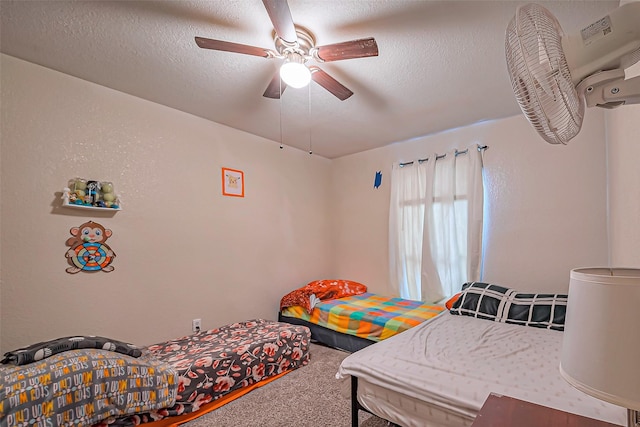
(310, 396)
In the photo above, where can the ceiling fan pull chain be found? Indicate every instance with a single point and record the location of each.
(310, 150)
(280, 100)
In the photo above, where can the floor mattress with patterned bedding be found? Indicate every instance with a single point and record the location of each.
(214, 363)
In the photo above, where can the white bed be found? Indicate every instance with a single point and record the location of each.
(438, 374)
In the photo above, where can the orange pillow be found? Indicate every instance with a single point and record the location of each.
(452, 300)
(333, 289)
(301, 297)
(323, 290)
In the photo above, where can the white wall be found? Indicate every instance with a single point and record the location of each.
(623, 132)
(545, 203)
(183, 250)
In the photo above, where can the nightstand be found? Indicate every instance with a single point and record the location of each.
(505, 411)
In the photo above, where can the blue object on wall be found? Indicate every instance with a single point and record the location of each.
(378, 179)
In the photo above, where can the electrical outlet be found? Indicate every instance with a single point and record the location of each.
(195, 325)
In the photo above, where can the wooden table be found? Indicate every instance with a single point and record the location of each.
(505, 411)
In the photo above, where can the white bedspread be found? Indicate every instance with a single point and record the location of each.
(454, 362)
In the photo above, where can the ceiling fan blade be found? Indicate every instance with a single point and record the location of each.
(346, 50)
(329, 83)
(232, 47)
(276, 87)
(281, 19)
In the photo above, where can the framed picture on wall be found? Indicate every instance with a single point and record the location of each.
(232, 182)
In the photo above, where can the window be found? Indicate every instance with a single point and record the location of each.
(435, 225)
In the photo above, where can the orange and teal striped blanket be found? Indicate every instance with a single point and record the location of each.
(370, 316)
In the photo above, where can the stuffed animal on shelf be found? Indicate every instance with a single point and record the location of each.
(108, 197)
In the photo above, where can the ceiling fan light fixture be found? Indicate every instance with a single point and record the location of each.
(294, 73)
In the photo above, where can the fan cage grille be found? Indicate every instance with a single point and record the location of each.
(540, 75)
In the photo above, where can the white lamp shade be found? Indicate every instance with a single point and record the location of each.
(601, 341)
(294, 73)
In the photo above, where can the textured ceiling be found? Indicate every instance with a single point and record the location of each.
(441, 63)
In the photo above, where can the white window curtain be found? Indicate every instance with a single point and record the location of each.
(435, 225)
(406, 221)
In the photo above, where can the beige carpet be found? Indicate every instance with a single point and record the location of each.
(307, 397)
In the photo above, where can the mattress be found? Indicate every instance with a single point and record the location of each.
(215, 363)
(450, 364)
(329, 337)
(369, 316)
(407, 411)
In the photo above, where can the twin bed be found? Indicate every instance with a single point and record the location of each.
(493, 340)
(343, 315)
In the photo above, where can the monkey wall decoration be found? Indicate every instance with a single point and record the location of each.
(88, 250)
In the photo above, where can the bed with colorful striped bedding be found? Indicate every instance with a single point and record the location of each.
(370, 317)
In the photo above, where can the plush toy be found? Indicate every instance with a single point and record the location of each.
(107, 187)
(107, 193)
(79, 184)
(78, 187)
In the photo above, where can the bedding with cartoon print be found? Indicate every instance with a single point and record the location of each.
(211, 364)
(83, 386)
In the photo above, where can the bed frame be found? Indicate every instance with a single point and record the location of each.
(329, 337)
(356, 407)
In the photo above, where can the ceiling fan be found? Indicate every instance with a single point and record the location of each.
(296, 45)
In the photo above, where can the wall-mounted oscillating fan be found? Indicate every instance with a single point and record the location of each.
(553, 76)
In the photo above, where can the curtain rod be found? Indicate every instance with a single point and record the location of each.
(442, 156)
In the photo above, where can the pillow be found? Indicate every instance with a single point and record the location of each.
(42, 350)
(300, 297)
(321, 290)
(500, 304)
(452, 300)
(334, 289)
